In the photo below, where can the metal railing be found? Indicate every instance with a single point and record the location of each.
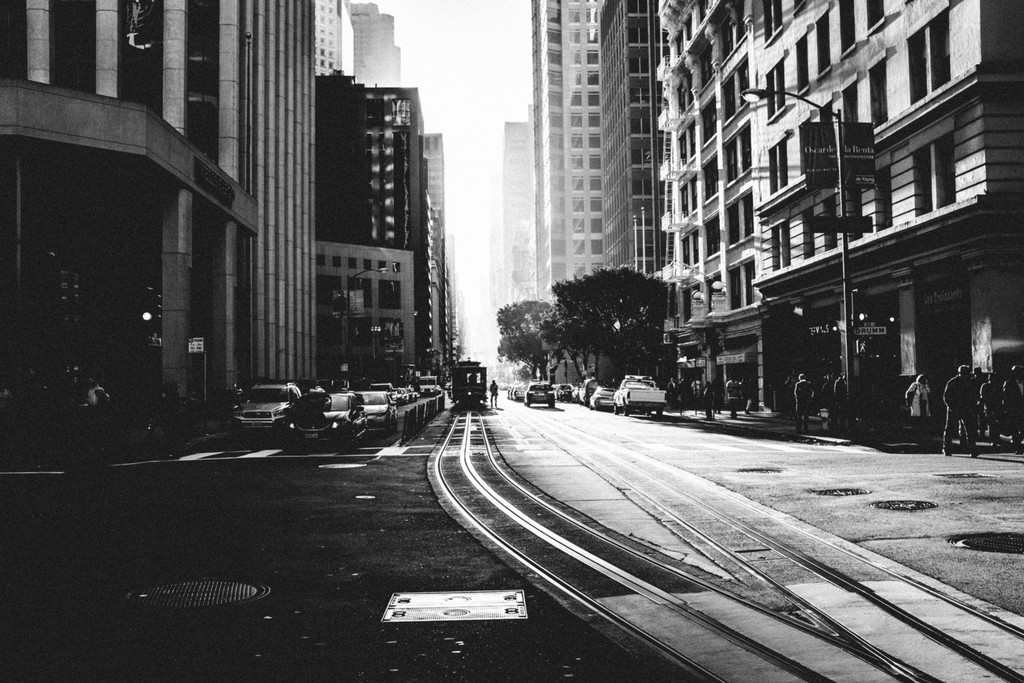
(419, 416)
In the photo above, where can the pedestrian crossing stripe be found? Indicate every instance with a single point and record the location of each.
(261, 454)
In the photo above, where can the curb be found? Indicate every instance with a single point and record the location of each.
(783, 436)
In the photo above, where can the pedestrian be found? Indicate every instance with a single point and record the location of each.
(840, 417)
(803, 393)
(960, 397)
(1013, 408)
(990, 408)
(749, 394)
(734, 391)
(494, 393)
(708, 396)
(719, 386)
(670, 394)
(697, 391)
(919, 398)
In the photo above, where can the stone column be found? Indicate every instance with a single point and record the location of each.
(39, 34)
(177, 275)
(223, 367)
(107, 47)
(230, 72)
(908, 321)
(175, 63)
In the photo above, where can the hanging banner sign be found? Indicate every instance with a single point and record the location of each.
(818, 154)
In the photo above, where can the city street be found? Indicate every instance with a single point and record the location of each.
(263, 563)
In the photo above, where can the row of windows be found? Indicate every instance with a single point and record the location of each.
(353, 263)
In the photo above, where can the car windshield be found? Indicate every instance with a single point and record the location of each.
(540, 387)
(375, 398)
(640, 385)
(340, 402)
(427, 379)
(268, 395)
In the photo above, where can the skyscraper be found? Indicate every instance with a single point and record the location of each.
(567, 139)
(378, 61)
(518, 228)
(334, 49)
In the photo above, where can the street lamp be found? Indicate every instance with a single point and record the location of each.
(753, 95)
(348, 314)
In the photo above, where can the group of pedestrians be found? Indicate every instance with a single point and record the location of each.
(711, 397)
(976, 405)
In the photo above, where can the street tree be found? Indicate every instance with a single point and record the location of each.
(520, 326)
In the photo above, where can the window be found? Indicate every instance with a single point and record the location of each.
(824, 46)
(733, 220)
(879, 98)
(695, 245)
(923, 180)
(728, 37)
(382, 264)
(366, 264)
(336, 261)
(779, 245)
(803, 79)
(596, 247)
(596, 225)
(732, 160)
(775, 81)
(883, 198)
(595, 204)
(808, 236)
(352, 263)
(713, 236)
(729, 97)
(710, 179)
(594, 120)
(709, 121)
(745, 149)
(876, 11)
(593, 99)
(748, 283)
(576, 142)
(321, 260)
(847, 25)
(850, 103)
(595, 184)
(778, 167)
(686, 250)
(772, 16)
(748, 215)
(707, 68)
(828, 208)
(944, 164)
(595, 163)
(390, 294)
(735, 288)
(929, 57)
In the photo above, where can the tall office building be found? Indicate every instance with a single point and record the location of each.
(377, 60)
(440, 268)
(934, 269)
(630, 35)
(567, 139)
(181, 226)
(334, 48)
(517, 206)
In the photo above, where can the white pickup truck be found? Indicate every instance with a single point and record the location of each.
(639, 394)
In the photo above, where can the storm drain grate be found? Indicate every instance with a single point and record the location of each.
(904, 505)
(966, 475)
(465, 606)
(760, 470)
(201, 593)
(1007, 542)
(840, 492)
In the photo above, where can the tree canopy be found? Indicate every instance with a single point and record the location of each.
(520, 326)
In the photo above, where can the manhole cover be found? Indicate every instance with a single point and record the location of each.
(992, 542)
(761, 470)
(904, 505)
(965, 475)
(840, 492)
(201, 593)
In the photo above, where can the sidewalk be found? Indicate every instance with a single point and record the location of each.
(888, 436)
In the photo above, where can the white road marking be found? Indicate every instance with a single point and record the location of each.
(260, 454)
(199, 456)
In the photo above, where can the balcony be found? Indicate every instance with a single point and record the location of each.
(668, 273)
(672, 170)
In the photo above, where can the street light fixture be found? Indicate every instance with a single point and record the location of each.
(754, 95)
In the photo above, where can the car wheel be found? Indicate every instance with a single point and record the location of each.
(526, 403)
(658, 413)
(615, 409)
(551, 404)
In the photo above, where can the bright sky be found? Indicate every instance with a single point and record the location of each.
(471, 60)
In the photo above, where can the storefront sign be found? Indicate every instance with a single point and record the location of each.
(196, 345)
(944, 297)
(820, 329)
(733, 358)
(685, 362)
(870, 330)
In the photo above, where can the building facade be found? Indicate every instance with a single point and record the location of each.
(377, 60)
(178, 219)
(334, 49)
(567, 140)
(631, 141)
(440, 266)
(714, 330)
(934, 271)
(517, 208)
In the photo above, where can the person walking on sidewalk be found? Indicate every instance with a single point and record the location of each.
(840, 417)
(919, 398)
(697, 391)
(670, 394)
(990, 406)
(494, 393)
(803, 392)
(734, 390)
(960, 397)
(1013, 407)
(708, 397)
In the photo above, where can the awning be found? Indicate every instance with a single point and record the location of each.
(747, 355)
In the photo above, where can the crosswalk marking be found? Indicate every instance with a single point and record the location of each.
(260, 454)
(199, 456)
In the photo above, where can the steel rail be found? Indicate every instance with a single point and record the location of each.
(665, 650)
(831, 575)
(627, 579)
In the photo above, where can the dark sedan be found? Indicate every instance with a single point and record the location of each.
(338, 419)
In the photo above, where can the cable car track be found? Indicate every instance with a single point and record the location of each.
(456, 468)
(800, 558)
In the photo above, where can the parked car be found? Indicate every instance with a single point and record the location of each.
(429, 386)
(603, 398)
(385, 386)
(338, 419)
(265, 406)
(516, 392)
(586, 388)
(539, 392)
(564, 392)
(639, 394)
(402, 396)
(380, 410)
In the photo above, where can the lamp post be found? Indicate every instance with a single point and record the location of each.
(846, 347)
(348, 314)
